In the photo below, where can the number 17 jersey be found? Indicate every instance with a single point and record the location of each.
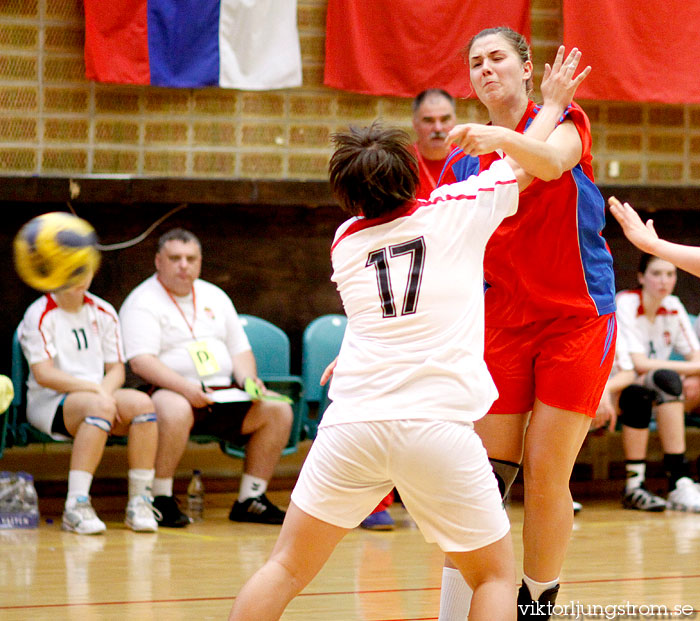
(411, 283)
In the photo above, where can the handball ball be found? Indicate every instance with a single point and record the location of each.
(55, 250)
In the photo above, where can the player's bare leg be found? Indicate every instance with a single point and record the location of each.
(302, 549)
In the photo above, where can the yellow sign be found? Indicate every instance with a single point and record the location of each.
(203, 358)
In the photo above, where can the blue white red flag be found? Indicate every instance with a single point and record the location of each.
(243, 44)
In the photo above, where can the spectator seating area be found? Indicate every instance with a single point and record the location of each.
(271, 348)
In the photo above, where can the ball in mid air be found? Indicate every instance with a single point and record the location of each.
(55, 250)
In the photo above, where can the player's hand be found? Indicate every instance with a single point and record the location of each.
(641, 235)
(197, 396)
(605, 414)
(328, 372)
(477, 139)
(558, 82)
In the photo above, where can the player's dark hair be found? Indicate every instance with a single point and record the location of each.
(432, 92)
(517, 41)
(373, 169)
(178, 234)
(644, 261)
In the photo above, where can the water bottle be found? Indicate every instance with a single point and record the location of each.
(6, 492)
(195, 497)
(28, 496)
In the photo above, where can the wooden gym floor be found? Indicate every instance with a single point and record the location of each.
(617, 559)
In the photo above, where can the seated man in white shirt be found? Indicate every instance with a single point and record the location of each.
(183, 337)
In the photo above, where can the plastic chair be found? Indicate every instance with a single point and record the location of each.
(320, 346)
(271, 349)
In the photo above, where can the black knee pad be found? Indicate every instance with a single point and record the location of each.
(667, 385)
(505, 472)
(635, 406)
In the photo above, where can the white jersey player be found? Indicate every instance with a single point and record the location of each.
(410, 378)
(71, 340)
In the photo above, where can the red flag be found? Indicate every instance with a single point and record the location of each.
(405, 46)
(639, 51)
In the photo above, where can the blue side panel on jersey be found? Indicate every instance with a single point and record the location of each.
(466, 167)
(183, 42)
(597, 261)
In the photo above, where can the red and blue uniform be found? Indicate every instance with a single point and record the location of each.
(543, 266)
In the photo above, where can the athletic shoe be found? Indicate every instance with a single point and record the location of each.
(577, 507)
(79, 517)
(686, 496)
(141, 515)
(170, 514)
(381, 520)
(540, 610)
(642, 499)
(259, 510)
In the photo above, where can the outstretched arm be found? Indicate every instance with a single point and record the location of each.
(544, 151)
(644, 236)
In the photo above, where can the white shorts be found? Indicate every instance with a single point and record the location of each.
(440, 468)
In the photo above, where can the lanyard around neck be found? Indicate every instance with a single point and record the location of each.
(179, 308)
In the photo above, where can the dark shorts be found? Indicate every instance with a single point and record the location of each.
(59, 425)
(222, 420)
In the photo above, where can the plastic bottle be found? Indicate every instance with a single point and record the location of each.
(195, 497)
(28, 495)
(6, 492)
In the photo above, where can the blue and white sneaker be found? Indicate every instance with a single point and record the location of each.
(79, 517)
(141, 515)
(381, 520)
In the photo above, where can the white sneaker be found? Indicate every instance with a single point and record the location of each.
(577, 507)
(686, 496)
(141, 515)
(79, 517)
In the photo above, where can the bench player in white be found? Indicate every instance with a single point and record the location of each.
(652, 324)
(72, 342)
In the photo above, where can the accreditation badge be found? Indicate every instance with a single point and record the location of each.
(204, 361)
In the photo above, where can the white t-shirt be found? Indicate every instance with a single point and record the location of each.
(412, 288)
(164, 325)
(78, 343)
(671, 329)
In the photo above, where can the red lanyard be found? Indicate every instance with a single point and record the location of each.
(194, 306)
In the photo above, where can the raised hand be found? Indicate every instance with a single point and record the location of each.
(642, 235)
(558, 82)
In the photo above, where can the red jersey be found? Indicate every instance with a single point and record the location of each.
(550, 259)
(430, 171)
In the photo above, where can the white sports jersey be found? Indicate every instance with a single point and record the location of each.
(78, 343)
(411, 283)
(670, 331)
(164, 325)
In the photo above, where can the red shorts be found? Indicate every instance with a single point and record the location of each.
(563, 362)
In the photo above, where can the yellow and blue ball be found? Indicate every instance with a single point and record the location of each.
(55, 250)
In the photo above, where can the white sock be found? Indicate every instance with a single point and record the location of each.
(455, 596)
(79, 482)
(537, 588)
(636, 471)
(140, 482)
(163, 487)
(251, 487)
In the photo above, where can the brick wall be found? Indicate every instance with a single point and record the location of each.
(52, 121)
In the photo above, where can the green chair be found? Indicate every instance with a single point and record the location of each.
(271, 349)
(320, 346)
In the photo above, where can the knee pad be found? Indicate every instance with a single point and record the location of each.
(505, 472)
(667, 385)
(635, 406)
(101, 423)
(149, 417)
